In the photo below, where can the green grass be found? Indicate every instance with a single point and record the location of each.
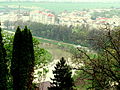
(47, 41)
(59, 7)
(54, 42)
(55, 50)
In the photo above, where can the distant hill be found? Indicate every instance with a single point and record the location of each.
(62, 6)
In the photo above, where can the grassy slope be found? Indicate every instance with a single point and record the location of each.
(56, 52)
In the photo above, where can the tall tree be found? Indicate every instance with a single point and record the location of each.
(15, 66)
(22, 65)
(3, 65)
(62, 77)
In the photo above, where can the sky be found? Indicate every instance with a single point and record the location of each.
(69, 0)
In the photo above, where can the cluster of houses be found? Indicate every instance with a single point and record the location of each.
(74, 18)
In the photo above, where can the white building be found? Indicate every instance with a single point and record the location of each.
(42, 17)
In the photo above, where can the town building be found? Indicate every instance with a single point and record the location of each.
(42, 17)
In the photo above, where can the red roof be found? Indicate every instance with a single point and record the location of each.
(39, 11)
(51, 15)
(103, 22)
(44, 13)
(102, 18)
(48, 14)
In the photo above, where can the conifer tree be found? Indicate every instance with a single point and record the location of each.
(62, 77)
(22, 65)
(3, 65)
(16, 56)
(28, 59)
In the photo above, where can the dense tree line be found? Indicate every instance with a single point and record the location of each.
(71, 34)
(78, 35)
(74, 35)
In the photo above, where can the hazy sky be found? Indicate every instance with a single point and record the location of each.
(70, 0)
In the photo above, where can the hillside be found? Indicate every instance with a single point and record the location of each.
(61, 6)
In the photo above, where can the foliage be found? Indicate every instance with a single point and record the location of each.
(3, 65)
(62, 77)
(102, 72)
(22, 63)
(73, 35)
(8, 42)
(42, 57)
